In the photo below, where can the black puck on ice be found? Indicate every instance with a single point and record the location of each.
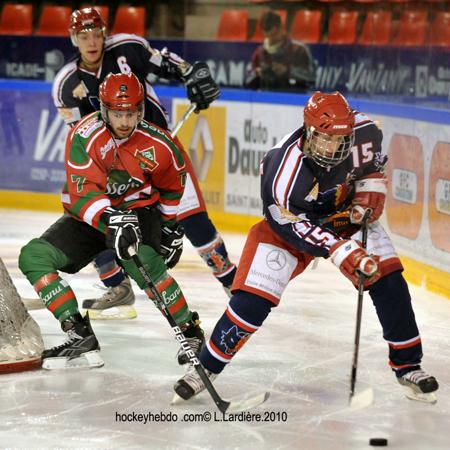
(378, 442)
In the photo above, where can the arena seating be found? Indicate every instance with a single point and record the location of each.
(16, 19)
(54, 21)
(233, 25)
(129, 19)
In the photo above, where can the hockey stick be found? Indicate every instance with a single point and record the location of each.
(223, 405)
(183, 119)
(365, 398)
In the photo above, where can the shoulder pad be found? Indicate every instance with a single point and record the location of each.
(123, 38)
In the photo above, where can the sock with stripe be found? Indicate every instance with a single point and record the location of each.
(57, 296)
(204, 237)
(110, 272)
(392, 301)
(244, 315)
(39, 261)
(168, 288)
(173, 297)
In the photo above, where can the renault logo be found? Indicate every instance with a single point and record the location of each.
(276, 260)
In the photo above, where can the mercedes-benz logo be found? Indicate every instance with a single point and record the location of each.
(276, 260)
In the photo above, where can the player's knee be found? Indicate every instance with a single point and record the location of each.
(36, 259)
(250, 307)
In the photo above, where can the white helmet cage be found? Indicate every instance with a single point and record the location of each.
(327, 150)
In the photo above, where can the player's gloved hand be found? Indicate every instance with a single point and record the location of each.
(370, 193)
(353, 261)
(123, 232)
(340, 224)
(172, 244)
(201, 88)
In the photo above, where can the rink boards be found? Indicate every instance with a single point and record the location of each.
(226, 144)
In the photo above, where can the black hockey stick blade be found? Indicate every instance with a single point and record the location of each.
(233, 406)
(223, 405)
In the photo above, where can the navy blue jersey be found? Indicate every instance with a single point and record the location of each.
(297, 193)
(75, 90)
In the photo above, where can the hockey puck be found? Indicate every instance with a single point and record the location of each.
(378, 442)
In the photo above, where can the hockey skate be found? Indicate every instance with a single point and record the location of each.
(81, 350)
(190, 384)
(419, 386)
(115, 304)
(194, 336)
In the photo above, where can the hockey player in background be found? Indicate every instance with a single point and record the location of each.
(125, 179)
(75, 94)
(316, 186)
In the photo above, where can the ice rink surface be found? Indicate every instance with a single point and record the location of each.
(302, 355)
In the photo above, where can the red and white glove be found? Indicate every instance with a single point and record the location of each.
(370, 193)
(352, 260)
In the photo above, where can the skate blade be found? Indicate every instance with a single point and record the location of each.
(429, 397)
(122, 312)
(33, 303)
(85, 361)
(362, 400)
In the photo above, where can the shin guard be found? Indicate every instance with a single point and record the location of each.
(392, 301)
(244, 315)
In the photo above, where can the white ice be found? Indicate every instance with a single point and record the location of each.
(302, 355)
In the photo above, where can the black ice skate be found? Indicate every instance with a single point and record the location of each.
(81, 350)
(191, 384)
(116, 303)
(419, 385)
(194, 336)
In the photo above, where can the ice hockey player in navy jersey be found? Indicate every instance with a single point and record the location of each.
(75, 94)
(317, 185)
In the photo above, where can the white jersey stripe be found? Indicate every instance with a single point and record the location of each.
(97, 206)
(287, 172)
(58, 83)
(135, 195)
(123, 38)
(168, 210)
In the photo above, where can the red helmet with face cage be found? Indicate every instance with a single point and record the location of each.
(329, 123)
(85, 19)
(121, 92)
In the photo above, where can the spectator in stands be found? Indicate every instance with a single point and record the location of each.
(280, 63)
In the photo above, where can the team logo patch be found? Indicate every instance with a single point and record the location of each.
(233, 339)
(276, 260)
(80, 91)
(123, 88)
(313, 194)
(147, 159)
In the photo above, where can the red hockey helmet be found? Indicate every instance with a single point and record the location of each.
(121, 92)
(329, 123)
(85, 19)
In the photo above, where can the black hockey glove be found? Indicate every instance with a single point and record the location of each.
(123, 232)
(172, 244)
(201, 88)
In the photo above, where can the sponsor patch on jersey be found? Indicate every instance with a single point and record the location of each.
(107, 147)
(89, 127)
(147, 159)
(80, 91)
